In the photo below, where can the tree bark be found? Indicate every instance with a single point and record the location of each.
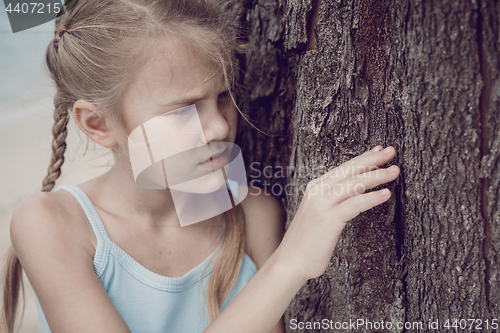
(329, 79)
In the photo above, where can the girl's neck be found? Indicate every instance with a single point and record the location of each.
(116, 192)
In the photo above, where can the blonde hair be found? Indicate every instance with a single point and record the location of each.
(95, 45)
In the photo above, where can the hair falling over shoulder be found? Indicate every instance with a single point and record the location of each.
(95, 46)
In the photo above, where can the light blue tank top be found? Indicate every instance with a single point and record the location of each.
(149, 302)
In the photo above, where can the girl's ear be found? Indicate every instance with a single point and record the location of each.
(93, 123)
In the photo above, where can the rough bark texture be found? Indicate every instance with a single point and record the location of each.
(489, 43)
(330, 79)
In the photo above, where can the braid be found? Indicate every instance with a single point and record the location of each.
(59, 131)
(13, 273)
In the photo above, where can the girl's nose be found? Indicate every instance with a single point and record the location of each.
(214, 124)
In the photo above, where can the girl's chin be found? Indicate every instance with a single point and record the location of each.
(205, 184)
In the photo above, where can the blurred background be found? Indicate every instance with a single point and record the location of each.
(26, 108)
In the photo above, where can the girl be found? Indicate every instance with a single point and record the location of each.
(110, 256)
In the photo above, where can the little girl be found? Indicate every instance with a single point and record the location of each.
(110, 256)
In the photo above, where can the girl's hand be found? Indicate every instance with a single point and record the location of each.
(328, 203)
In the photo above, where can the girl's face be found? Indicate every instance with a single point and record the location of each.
(176, 78)
(173, 78)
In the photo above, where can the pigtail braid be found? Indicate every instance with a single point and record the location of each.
(60, 132)
(13, 274)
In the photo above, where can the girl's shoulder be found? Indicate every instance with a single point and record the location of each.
(265, 224)
(47, 218)
(49, 238)
(260, 201)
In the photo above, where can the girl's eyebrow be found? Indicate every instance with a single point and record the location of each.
(188, 100)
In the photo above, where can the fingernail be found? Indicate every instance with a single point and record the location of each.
(393, 169)
(385, 192)
(377, 148)
(387, 150)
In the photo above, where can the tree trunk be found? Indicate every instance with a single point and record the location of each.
(330, 79)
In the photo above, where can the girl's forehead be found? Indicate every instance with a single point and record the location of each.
(168, 73)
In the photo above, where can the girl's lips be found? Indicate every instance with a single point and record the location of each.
(217, 161)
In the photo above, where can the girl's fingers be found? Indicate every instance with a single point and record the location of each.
(352, 207)
(360, 183)
(365, 162)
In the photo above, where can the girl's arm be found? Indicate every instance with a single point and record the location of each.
(305, 252)
(261, 303)
(265, 227)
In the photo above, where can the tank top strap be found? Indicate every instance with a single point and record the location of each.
(103, 241)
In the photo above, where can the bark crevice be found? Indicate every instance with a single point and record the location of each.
(484, 100)
(312, 20)
(400, 242)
